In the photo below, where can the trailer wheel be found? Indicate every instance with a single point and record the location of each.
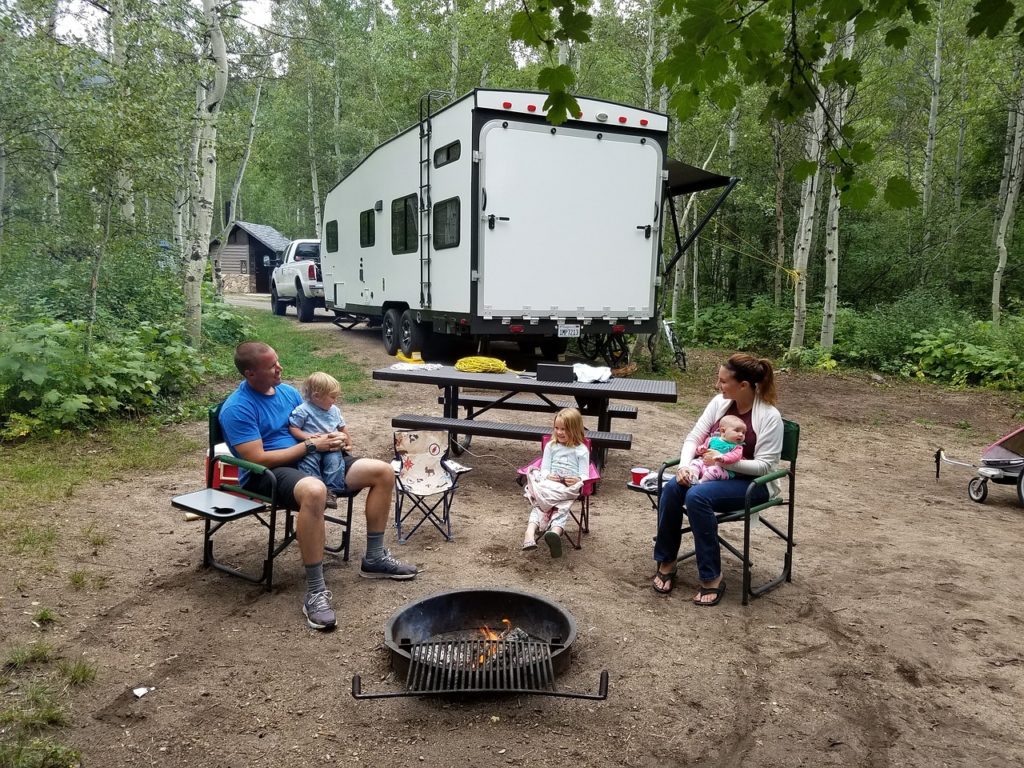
(1020, 487)
(277, 306)
(304, 307)
(412, 336)
(977, 489)
(389, 330)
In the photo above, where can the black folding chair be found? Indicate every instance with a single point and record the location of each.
(224, 502)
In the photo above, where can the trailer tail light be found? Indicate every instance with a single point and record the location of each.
(507, 104)
(531, 107)
(643, 121)
(311, 272)
(622, 119)
(618, 329)
(516, 328)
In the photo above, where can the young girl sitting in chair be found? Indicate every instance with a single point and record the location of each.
(553, 487)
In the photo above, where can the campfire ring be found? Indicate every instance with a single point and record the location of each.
(467, 610)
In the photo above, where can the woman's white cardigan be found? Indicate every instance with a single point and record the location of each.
(767, 423)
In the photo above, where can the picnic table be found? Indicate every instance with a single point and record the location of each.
(523, 392)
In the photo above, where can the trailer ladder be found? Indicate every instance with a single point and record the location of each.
(427, 102)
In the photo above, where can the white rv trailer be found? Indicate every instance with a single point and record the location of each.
(484, 220)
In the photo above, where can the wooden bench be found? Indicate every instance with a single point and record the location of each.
(500, 429)
(533, 403)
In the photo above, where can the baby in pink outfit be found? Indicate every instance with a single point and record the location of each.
(720, 449)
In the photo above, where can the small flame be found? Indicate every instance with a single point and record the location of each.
(490, 634)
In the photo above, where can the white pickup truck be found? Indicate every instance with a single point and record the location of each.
(297, 280)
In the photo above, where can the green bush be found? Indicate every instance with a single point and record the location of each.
(980, 357)
(762, 327)
(52, 376)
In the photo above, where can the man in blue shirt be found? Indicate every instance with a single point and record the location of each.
(254, 419)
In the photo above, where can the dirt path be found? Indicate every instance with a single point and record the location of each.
(896, 644)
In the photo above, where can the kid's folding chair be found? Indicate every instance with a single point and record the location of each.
(423, 470)
(582, 516)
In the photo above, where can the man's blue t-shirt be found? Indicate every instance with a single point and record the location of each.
(249, 415)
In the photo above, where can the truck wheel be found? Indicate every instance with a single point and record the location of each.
(412, 336)
(277, 306)
(389, 330)
(304, 307)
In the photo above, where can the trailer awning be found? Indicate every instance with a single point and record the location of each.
(684, 179)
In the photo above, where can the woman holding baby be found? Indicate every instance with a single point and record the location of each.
(746, 387)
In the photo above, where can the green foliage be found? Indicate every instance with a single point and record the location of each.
(54, 376)
(977, 358)
(77, 672)
(21, 656)
(762, 328)
(44, 617)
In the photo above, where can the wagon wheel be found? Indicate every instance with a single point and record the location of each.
(977, 489)
(1020, 487)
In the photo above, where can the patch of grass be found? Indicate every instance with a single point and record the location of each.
(39, 709)
(95, 538)
(44, 617)
(25, 536)
(42, 471)
(964, 425)
(78, 672)
(301, 353)
(39, 753)
(21, 656)
(78, 579)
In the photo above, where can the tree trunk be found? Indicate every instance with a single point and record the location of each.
(1012, 119)
(338, 167)
(218, 277)
(935, 81)
(694, 261)
(3, 200)
(453, 80)
(206, 168)
(831, 297)
(805, 226)
(313, 176)
(780, 218)
(1009, 206)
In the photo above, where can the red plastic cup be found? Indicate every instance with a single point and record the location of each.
(639, 473)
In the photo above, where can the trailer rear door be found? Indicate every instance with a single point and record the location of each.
(569, 236)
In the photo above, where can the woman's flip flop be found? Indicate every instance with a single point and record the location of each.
(705, 591)
(668, 581)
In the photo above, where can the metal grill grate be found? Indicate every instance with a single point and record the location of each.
(480, 666)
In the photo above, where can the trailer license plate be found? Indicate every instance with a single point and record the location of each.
(568, 331)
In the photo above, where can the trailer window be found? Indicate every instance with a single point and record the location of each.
(447, 154)
(331, 236)
(446, 223)
(403, 225)
(367, 233)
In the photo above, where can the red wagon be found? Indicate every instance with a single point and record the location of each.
(1001, 463)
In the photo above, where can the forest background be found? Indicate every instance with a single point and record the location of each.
(880, 146)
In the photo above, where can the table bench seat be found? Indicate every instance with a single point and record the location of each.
(532, 403)
(499, 429)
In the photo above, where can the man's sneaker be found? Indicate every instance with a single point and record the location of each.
(318, 611)
(387, 567)
(332, 500)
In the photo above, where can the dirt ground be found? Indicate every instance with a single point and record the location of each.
(898, 642)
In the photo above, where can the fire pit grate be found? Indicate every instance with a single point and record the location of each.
(480, 667)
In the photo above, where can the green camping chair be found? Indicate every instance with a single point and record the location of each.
(751, 515)
(220, 503)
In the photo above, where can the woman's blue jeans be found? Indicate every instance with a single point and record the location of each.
(700, 503)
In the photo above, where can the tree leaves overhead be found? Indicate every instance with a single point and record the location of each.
(777, 43)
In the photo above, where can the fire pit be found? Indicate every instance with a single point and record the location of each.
(474, 641)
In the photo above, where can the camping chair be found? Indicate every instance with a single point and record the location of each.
(581, 517)
(224, 501)
(752, 514)
(423, 470)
